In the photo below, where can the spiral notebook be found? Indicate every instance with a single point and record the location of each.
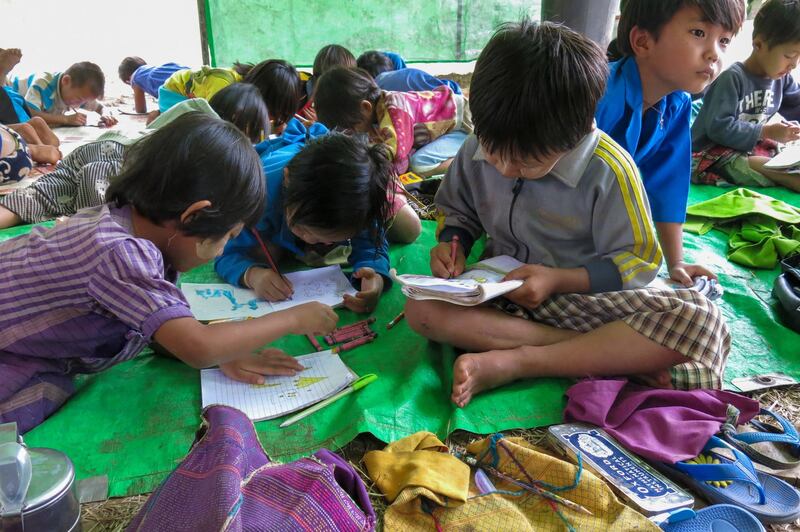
(324, 376)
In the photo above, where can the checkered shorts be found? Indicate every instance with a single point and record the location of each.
(681, 319)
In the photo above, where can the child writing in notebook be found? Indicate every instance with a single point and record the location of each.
(670, 48)
(52, 95)
(731, 136)
(81, 179)
(326, 197)
(557, 194)
(93, 291)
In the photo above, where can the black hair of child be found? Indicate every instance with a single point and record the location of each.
(241, 104)
(652, 16)
(128, 66)
(279, 84)
(778, 22)
(338, 96)
(375, 63)
(196, 157)
(87, 74)
(332, 55)
(338, 182)
(535, 89)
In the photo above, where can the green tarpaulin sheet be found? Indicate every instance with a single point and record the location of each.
(135, 421)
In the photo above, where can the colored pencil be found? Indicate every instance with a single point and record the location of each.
(272, 263)
(354, 343)
(396, 320)
(453, 252)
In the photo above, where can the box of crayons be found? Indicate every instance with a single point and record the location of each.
(641, 486)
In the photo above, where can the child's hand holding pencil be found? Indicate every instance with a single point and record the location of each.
(447, 259)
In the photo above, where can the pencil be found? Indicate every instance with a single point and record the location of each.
(396, 320)
(453, 252)
(272, 263)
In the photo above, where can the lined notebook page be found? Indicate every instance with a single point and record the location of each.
(325, 375)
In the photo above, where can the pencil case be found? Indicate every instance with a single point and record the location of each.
(642, 487)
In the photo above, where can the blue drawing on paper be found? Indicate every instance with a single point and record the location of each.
(208, 293)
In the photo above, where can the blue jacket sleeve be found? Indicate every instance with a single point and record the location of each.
(236, 258)
(365, 254)
(790, 105)
(665, 172)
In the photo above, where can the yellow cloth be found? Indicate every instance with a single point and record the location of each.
(418, 509)
(203, 83)
(419, 460)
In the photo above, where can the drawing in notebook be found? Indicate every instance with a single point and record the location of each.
(480, 282)
(324, 376)
(223, 301)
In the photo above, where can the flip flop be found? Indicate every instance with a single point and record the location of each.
(786, 436)
(716, 518)
(770, 499)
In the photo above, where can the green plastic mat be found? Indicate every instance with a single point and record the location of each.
(135, 421)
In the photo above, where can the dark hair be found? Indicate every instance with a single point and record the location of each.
(193, 158)
(241, 104)
(87, 74)
(338, 96)
(330, 56)
(279, 84)
(128, 66)
(652, 15)
(778, 22)
(339, 182)
(375, 62)
(242, 68)
(535, 89)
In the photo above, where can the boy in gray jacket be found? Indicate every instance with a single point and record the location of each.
(557, 194)
(731, 139)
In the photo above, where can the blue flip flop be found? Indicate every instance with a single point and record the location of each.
(716, 518)
(785, 435)
(770, 499)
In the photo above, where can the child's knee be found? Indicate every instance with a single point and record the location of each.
(420, 315)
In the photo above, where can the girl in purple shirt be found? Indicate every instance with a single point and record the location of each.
(97, 289)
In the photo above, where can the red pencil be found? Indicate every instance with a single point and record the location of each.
(314, 342)
(453, 252)
(272, 263)
(355, 343)
(356, 324)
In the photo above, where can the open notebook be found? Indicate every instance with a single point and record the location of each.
(222, 301)
(324, 376)
(481, 282)
(787, 160)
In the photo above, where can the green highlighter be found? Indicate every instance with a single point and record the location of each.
(355, 386)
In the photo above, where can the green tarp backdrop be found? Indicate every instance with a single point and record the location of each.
(420, 30)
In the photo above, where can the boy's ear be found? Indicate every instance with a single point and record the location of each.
(66, 79)
(759, 44)
(366, 108)
(641, 41)
(193, 209)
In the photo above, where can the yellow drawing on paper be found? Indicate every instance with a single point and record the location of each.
(265, 385)
(305, 382)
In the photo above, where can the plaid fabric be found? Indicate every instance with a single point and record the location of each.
(682, 320)
(722, 165)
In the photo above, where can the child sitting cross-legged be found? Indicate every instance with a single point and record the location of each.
(93, 291)
(731, 136)
(551, 190)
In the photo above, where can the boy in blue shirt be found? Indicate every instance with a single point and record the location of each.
(731, 137)
(671, 47)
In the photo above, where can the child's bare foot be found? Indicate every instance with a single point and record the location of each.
(657, 379)
(45, 154)
(9, 57)
(476, 372)
(8, 218)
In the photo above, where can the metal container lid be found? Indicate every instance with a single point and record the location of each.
(53, 474)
